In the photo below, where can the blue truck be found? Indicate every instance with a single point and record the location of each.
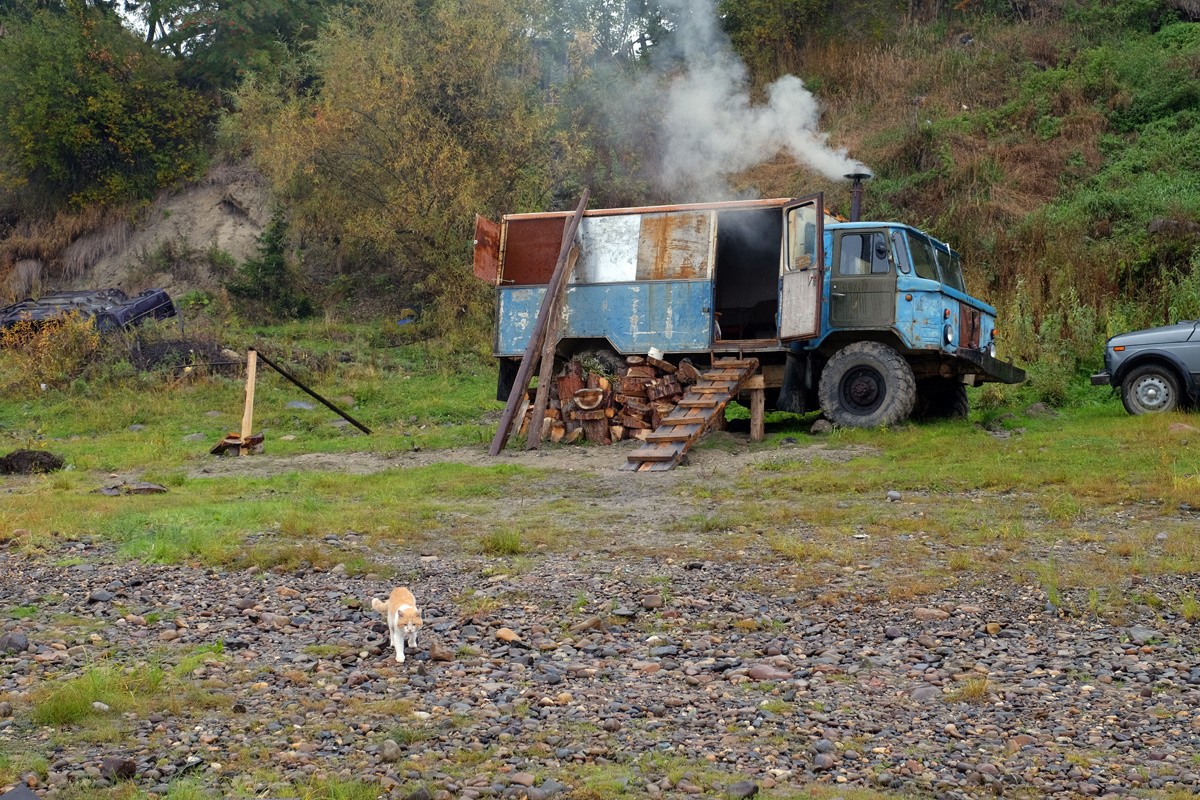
(870, 322)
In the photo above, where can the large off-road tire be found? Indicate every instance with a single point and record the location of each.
(867, 385)
(1150, 389)
(941, 398)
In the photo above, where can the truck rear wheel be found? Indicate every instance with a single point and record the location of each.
(941, 398)
(867, 385)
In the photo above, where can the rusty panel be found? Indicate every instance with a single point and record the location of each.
(608, 250)
(968, 327)
(487, 250)
(675, 246)
(531, 248)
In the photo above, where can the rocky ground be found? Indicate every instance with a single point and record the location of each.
(591, 675)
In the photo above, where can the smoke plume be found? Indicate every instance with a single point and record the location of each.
(710, 127)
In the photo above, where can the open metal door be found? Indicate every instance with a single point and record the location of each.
(487, 250)
(801, 269)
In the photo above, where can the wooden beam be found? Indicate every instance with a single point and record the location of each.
(248, 413)
(533, 349)
(758, 407)
(549, 345)
(311, 393)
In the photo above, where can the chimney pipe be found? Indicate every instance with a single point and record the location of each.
(856, 191)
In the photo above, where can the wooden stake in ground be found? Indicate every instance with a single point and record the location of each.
(248, 414)
(533, 349)
(550, 342)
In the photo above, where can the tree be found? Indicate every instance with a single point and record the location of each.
(89, 114)
(220, 41)
(425, 112)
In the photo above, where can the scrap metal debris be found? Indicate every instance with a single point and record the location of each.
(136, 487)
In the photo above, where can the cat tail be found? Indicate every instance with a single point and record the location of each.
(378, 604)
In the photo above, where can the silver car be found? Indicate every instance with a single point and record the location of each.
(1157, 369)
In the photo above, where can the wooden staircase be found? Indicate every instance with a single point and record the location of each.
(701, 407)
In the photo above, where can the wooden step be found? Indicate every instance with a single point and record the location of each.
(663, 453)
(680, 433)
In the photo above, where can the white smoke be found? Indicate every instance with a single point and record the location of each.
(712, 129)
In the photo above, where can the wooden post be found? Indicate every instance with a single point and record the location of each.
(533, 349)
(757, 408)
(534, 440)
(248, 414)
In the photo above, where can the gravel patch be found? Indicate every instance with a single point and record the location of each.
(532, 677)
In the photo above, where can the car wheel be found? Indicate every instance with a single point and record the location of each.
(866, 385)
(1150, 389)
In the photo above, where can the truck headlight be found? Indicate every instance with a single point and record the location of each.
(992, 348)
(949, 335)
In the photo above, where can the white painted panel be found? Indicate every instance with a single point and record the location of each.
(608, 249)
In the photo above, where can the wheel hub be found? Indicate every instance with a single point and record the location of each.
(1152, 392)
(863, 389)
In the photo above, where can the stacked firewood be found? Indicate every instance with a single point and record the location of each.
(605, 408)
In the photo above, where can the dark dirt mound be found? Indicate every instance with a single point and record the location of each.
(179, 353)
(29, 462)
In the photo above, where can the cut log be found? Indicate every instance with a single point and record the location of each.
(630, 421)
(633, 387)
(635, 405)
(635, 361)
(589, 416)
(588, 399)
(616, 432)
(571, 382)
(665, 367)
(596, 430)
(558, 432)
(644, 371)
(663, 387)
(687, 374)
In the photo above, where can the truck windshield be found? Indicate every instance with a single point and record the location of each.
(950, 267)
(923, 259)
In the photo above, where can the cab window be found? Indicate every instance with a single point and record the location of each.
(902, 262)
(863, 254)
(923, 259)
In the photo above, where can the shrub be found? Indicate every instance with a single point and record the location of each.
(268, 281)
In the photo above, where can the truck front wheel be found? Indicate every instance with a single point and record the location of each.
(941, 398)
(867, 385)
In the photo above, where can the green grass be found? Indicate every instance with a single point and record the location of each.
(71, 702)
(505, 542)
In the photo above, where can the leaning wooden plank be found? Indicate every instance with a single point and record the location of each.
(549, 343)
(533, 349)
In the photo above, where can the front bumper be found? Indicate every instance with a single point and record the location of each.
(1101, 379)
(993, 369)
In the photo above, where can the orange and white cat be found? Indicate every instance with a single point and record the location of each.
(403, 618)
